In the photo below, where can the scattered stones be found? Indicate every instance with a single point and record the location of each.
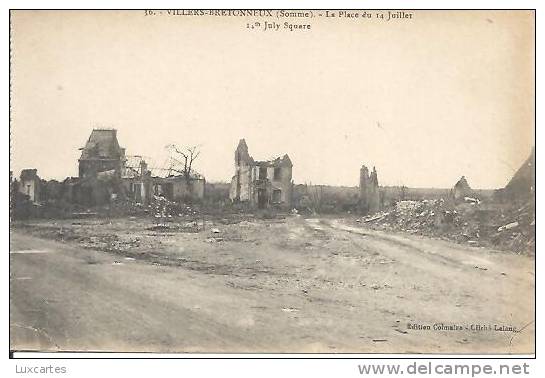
(473, 222)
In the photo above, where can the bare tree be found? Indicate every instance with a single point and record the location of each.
(182, 159)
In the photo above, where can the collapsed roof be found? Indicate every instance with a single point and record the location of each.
(102, 144)
(241, 154)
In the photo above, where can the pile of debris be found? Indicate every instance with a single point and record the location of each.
(518, 229)
(469, 222)
(124, 207)
(161, 207)
(417, 217)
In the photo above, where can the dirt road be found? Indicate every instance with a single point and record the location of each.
(300, 285)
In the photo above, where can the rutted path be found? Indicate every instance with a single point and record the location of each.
(300, 286)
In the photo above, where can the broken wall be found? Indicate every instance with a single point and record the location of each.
(369, 194)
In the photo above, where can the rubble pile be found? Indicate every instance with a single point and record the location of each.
(126, 207)
(164, 208)
(426, 216)
(159, 207)
(518, 229)
(471, 222)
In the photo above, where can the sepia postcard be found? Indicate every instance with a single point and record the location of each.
(272, 181)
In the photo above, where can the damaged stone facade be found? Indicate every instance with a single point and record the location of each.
(141, 183)
(369, 196)
(179, 188)
(261, 184)
(106, 173)
(136, 180)
(101, 153)
(101, 166)
(30, 184)
(462, 189)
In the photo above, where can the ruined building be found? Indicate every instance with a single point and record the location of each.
(136, 179)
(107, 173)
(30, 184)
(261, 184)
(462, 189)
(101, 153)
(369, 196)
(101, 166)
(179, 187)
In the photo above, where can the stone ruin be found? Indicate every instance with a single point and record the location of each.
(369, 195)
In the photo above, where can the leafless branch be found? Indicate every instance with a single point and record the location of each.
(182, 159)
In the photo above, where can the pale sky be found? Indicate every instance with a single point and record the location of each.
(426, 101)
